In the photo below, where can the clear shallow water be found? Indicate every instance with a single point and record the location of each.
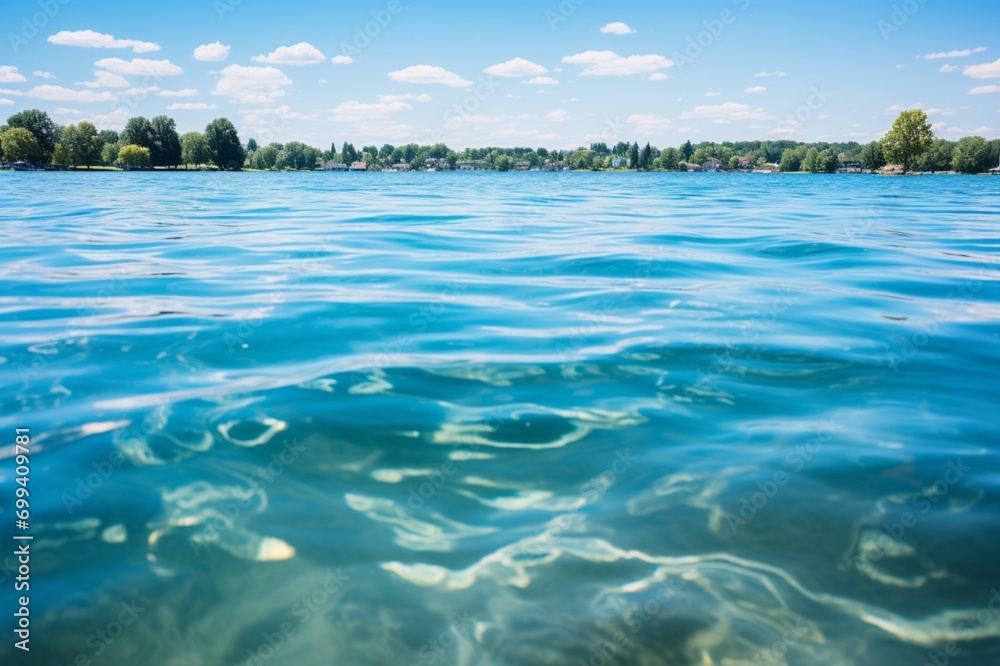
(504, 419)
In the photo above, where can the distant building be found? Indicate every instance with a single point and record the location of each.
(334, 166)
(891, 170)
(522, 165)
(402, 166)
(619, 162)
(465, 165)
(437, 164)
(359, 166)
(849, 167)
(769, 167)
(690, 167)
(748, 162)
(711, 166)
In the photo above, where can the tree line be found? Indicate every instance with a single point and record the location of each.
(33, 137)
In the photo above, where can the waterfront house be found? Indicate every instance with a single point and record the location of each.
(769, 167)
(748, 161)
(359, 166)
(849, 167)
(621, 162)
(402, 166)
(690, 167)
(711, 166)
(334, 166)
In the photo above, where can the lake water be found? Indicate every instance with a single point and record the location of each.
(503, 419)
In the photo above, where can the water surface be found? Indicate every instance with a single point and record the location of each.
(504, 419)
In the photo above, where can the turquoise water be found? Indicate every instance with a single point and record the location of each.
(489, 419)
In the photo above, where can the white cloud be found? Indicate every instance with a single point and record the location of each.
(186, 92)
(775, 73)
(617, 28)
(214, 52)
(648, 123)
(9, 74)
(97, 40)
(516, 132)
(429, 74)
(139, 67)
(952, 54)
(949, 68)
(105, 80)
(408, 97)
(988, 70)
(299, 55)
(659, 76)
(115, 120)
(6, 102)
(941, 112)
(354, 110)
(251, 85)
(712, 94)
(609, 63)
(284, 112)
(60, 94)
(984, 90)
(727, 111)
(8, 91)
(979, 130)
(385, 129)
(516, 68)
(342, 60)
(542, 81)
(44, 75)
(753, 90)
(68, 112)
(558, 115)
(190, 106)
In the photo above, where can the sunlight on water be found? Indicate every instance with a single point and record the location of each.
(492, 419)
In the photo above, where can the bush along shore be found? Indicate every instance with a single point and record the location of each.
(30, 140)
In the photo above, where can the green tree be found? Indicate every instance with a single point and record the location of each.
(20, 144)
(791, 159)
(60, 155)
(633, 155)
(108, 136)
(687, 149)
(872, 157)
(972, 155)
(82, 143)
(350, 155)
(938, 157)
(669, 160)
(109, 153)
(224, 144)
(646, 158)
(45, 131)
(166, 150)
(811, 161)
(252, 145)
(134, 156)
(138, 132)
(194, 149)
(909, 137)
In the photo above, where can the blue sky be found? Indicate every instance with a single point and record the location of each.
(558, 73)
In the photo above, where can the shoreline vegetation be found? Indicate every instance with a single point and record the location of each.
(30, 140)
